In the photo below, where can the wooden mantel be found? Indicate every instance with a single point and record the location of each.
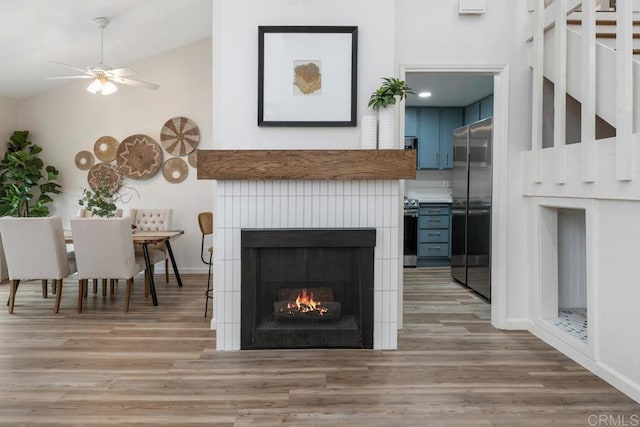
(306, 164)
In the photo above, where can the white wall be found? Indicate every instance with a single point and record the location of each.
(67, 120)
(8, 120)
(235, 35)
(432, 34)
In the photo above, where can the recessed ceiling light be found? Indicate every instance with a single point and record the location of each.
(424, 94)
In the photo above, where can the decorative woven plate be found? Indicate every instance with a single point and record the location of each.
(105, 148)
(139, 157)
(179, 136)
(192, 158)
(105, 175)
(84, 160)
(175, 170)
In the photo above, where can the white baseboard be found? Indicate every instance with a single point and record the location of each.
(613, 377)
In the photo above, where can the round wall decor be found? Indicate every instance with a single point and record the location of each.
(105, 148)
(84, 160)
(192, 158)
(139, 157)
(179, 136)
(175, 170)
(105, 175)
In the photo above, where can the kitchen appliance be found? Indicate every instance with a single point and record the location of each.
(471, 206)
(410, 143)
(410, 258)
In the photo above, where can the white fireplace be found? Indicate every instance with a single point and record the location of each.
(242, 204)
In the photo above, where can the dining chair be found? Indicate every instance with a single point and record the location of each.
(205, 221)
(115, 256)
(85, 213)
(35, 249)
(154, 220)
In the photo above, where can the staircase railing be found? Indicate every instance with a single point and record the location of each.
(555, 15)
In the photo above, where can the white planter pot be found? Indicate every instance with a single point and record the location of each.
(387, 127)
(368, 132)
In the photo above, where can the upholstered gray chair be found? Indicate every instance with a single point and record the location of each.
(35, 249)
(154, 220)
(113, 258)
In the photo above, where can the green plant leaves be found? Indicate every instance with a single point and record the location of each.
(389, 92)
(25, 189)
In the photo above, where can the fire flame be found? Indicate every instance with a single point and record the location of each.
(305, 303)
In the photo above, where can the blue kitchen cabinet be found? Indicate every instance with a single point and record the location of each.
(434, 237)
(428, 138)
(410, 122)
(450, 119)
(486, 107)
(472, 113)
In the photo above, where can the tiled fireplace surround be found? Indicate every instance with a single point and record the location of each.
(306, 204)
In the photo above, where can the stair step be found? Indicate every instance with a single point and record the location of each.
(598, 22)
(613, 35)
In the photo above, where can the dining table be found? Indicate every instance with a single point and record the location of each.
(144, 239)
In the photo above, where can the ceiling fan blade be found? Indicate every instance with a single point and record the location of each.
(134, 82)
(118, 72)
(68, 77)
(82, 70)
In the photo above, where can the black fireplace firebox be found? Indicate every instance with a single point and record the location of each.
(307, 288)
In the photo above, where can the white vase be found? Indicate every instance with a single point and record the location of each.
(368, 131)
(387, 127)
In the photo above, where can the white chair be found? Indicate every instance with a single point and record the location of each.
(35, 249)
(113, 258)
(84, 213)
(154, 220)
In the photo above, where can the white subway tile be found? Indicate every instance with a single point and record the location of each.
(300, 210)
(276, 218)
(324, 211)
(252, 188)
(324, 187)
(218, 274)
(235, 220)
(276, 188)
(284, 188)
(378, 202)
(386, 211)
(292, 208)
(308, 211)
(228, 246)
(228, 336)
(331, 188)
(292, 188)
(347, 188)
(339, 187)
(347, 217)
(377, 336)
(394, 242)
(244, 212)
(235, 307)
(299, 188)
(393, 274)
(379, 187)
(260, 214)
(284, 211)
(315, 211)
(331, 211)
(268, 212)
(339, 211)
(393, 306)
(395, 209)
(384, 305)
(395, 188)
(308, 188)
(268, 188)
(386, 274)
(235, 188)
(244, 188)
(315, 191)
(235, 344)
(393, 336)
(220, 336)
(260, 188)
(221, 189)
(386, 242)
(364, 212)
(377, 306)
(377, 275)
(220, 307)
(237, 275)
(386, 187)
(252, 221)
(385, 336)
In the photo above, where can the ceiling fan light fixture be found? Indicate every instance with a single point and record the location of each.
(103, 85)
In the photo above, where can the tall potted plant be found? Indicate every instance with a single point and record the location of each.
(384, 100)
(26, 184)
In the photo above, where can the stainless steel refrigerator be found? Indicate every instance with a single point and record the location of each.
(471, 208)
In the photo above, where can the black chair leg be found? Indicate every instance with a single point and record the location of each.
(209, 292)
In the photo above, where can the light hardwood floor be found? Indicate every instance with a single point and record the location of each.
(158, 366)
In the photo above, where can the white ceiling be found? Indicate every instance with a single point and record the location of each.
(448, 89)
(35, 32)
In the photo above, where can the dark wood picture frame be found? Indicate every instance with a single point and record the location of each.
(288, 120)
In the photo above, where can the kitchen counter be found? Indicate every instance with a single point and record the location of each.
(431, 195)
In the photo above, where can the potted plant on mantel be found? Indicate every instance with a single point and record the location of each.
(384, 100)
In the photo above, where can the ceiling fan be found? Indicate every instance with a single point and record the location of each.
(103, 77)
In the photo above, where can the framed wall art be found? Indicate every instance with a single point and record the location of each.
(307, 76)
